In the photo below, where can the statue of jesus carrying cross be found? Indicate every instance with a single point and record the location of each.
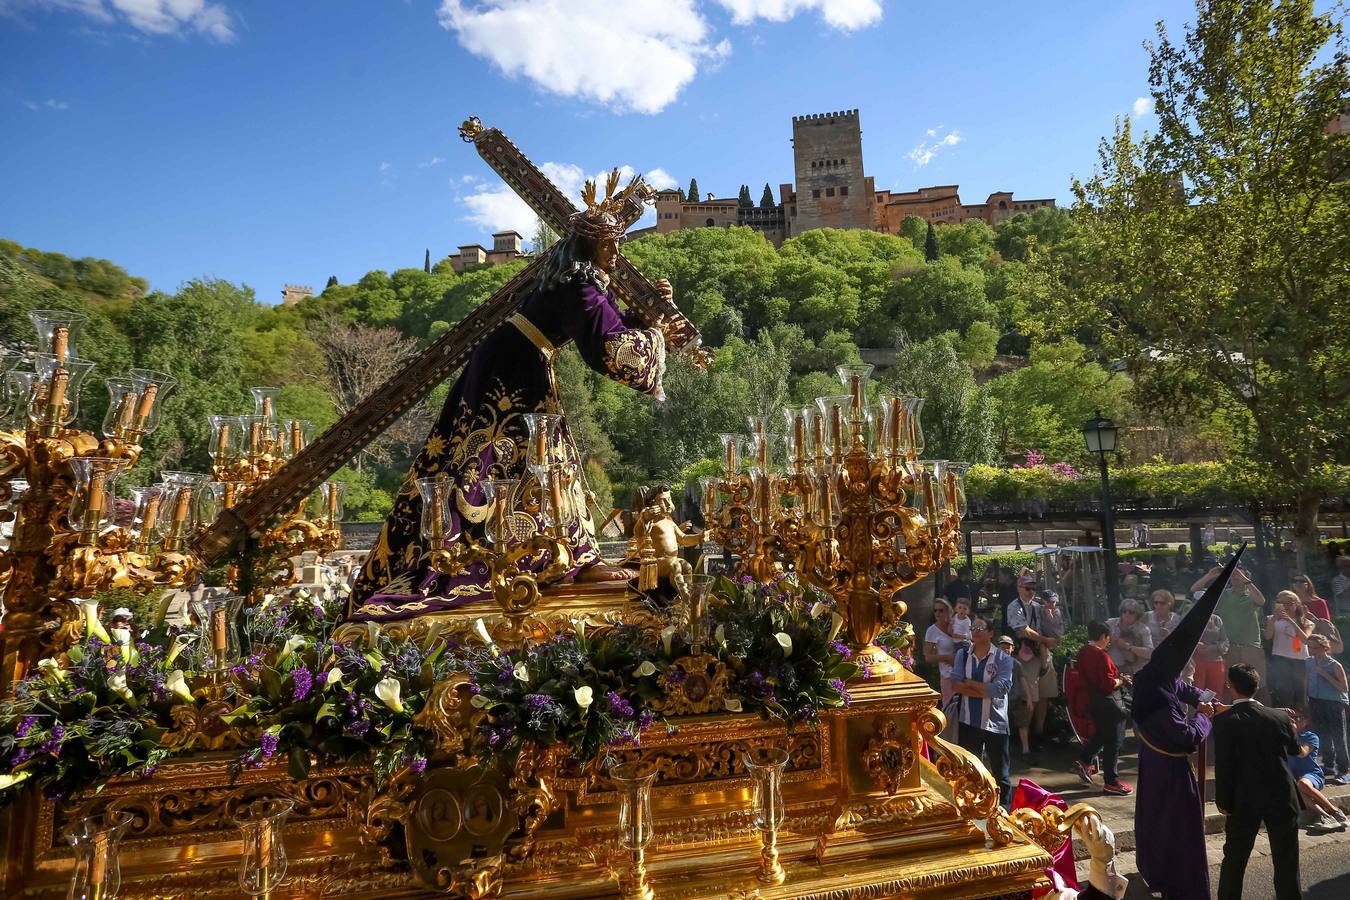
(482, 433)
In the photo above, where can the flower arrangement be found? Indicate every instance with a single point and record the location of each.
(99, 713)
(780, 641)
(586, 690)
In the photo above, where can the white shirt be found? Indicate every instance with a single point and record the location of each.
(961, 628)
(1284, 643)
(946, 646)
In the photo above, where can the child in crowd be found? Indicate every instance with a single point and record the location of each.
(961, 621)
(1308, 777)
(1328, 694)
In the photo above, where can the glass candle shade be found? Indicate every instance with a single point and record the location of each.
(731, 453)
(98, 869)
(436, 494)
(332, 493)
(834, 414)
(711, 494)
(148, 499)
(55, 396)
(634, 786)
(936, 470)
(826, 506)
(758, 445)
(17, 387)
(175, 478)
(262, 825)
(696, 593)
(227, 438)
(555, 507)
(216, 617)
(91, 506)
(209, 498)
(854, 378)
(295, 436)
(265, 401)
(57, 330)
(799, 423)
(151, 388)
(956, 487)
(539, 441)
(178, 514)
(912, 427)
(9, 359)
(765, 766)
(121, 407)
(499, 495)
(261, 436)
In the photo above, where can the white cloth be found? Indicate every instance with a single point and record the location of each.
(1284, 642)
(961, 628)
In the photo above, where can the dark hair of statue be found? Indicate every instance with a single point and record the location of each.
(573, 254)
(646, 495)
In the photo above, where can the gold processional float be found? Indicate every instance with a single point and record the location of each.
(872, 803)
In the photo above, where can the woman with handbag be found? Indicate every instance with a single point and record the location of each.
(1107, 706)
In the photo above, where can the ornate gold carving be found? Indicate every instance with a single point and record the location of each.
(889, 754)
(702, 689)
(1051, 826)
(973, 788)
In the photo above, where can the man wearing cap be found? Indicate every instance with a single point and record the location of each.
(982, 676)
(1025, 624)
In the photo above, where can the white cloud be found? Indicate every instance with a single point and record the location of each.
(1142, 107)
(846, 15)
(56, 104)
(434, 161)
(634, 55)
(49, 103)
(151, 16)
(499, 208)
(388, 174)
(923, 154)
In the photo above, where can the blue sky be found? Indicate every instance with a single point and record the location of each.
(271, 142)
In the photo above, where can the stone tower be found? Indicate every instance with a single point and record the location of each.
(831, 189)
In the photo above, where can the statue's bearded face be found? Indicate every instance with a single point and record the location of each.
(605, 254)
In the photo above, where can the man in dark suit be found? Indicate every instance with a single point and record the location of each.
(1252, 786)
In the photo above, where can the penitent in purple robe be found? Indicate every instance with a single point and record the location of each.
(1169, 823)
(481, 434)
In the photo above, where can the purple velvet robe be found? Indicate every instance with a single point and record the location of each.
(1169, 819)
(481, 434)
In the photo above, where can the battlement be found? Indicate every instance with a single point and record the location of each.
(816, 117)
(297, 287)
(292, 294)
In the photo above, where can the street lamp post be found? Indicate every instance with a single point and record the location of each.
(1100, 435)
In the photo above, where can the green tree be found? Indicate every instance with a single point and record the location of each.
(544, 237)
(1046, 228)
(743, 199)
(766, 200)
(693, 190)
(426, 262)
(916, 229)
(954, 419)
(930, 245)
(1211, 255)
(971, 241)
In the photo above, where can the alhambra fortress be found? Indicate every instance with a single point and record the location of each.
(832, 190)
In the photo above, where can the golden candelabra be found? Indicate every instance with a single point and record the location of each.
(245, 452)
(57, 495)
(856, 513)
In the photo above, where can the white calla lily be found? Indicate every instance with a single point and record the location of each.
(8, 781)
(819, 608)
(836, 623)
(521, 672)
(732, 704)
(333, 677)
(177, 685)
(584, 697)
(92, 626)
(388, 691)
(478, 701)
(720, 635)
(123, 638)
(579, 627)
(293, 643)
(480, 628)
(117, 683)
(785, 641)
(645, 669)
(667, 635)
(267, 601)
(180, 643)
(51, 670)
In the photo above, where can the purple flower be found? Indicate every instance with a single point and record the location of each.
(304, 681)
(24, 726)
(841, 648)
(267, 744)
(322, 678)
(645, 719)
(419, 765)
(676, 675)
(356, 729)
(619, 705)
(53, 744)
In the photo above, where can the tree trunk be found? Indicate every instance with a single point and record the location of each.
(1305, 526)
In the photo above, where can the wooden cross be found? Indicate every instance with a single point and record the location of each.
(372, 416)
